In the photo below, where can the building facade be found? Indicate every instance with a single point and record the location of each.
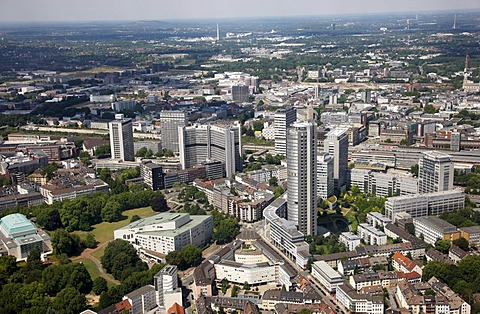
(283, 119)
(336, 144)
(325, 172)
(435, 172)
(301, 181)
(121, 140)
(203, 143)
(170, 121)
(167, 232)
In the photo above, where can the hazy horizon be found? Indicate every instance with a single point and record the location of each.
(123, 10)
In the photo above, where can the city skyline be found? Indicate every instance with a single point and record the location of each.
(109, 10)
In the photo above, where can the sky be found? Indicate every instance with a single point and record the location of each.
(105, 10)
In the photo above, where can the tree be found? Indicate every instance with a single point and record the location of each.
(414, 170)
(224, 285)
(49, 170)
(65, 243)
(103, 151)
(186, 257)
(69, 301)
(278, 191)
(90, 241)
(273, 181)
(119, 255)
(462, 243)
(442, 245)
(99, 285)
(49, 218)
(112, 211)
(234, 292)
(159, 203)
(227, 231)
(168, 153)
(304, 311)
(246, 285)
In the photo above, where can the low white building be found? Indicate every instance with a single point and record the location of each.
(359, 303)
(167, 232)
(326, 275)
(350, 240)
(371, 235)
(378, 220)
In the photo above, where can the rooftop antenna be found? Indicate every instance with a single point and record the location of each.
(455, 22)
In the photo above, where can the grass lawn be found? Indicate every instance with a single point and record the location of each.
(92, 269)
(99, 253)
(104, 230)
(90, 266)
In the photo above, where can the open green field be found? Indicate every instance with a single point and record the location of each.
(99, 253)
(92, 269)
(103, 231)
(90, 266)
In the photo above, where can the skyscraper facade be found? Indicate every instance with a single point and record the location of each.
(170, 120)
(336, 144)
(202, 143)
(325, 183)
(121, 139)
(283, 119)
(302, 175)
(435, 172)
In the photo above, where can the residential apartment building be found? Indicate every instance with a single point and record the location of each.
(402, 263)
(378, 220)
(53, 194)
(371, 235)
(350, 240)
(359, 303)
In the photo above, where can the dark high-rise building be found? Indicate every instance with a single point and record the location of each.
(301, 176)
(121, 139)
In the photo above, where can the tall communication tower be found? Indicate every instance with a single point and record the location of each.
(218, 33)
(455, 22)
